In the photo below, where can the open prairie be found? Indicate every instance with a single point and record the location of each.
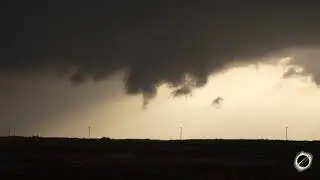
(48, 158)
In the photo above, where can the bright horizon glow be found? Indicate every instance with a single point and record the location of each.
(258, 104)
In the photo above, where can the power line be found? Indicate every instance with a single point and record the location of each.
(286, 133)
(89, 128)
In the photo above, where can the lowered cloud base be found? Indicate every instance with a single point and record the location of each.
(156, 42)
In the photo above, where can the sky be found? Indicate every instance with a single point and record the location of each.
(144, 69)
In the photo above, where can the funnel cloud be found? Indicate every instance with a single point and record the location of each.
(179, 43)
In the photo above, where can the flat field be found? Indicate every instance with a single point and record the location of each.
(52, 158)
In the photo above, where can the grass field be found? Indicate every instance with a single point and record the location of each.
(53, 158)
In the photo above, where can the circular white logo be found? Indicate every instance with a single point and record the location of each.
(303, 161)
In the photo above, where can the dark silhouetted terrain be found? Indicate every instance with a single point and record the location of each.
(52, 158)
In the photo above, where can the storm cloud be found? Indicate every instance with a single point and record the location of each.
(178, 43)
(308, 59)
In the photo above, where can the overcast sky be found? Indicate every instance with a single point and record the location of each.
(67, 65)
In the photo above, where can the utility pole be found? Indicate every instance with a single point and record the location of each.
(9, 130)
(286, 133)
(180, 133)
(89, 132)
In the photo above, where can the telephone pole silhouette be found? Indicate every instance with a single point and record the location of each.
(286, 133)
(89, 128)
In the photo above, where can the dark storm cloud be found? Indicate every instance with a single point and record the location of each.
(155, 42)
(290, 72)
(309, 60)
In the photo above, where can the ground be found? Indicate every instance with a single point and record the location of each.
(53, 158)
